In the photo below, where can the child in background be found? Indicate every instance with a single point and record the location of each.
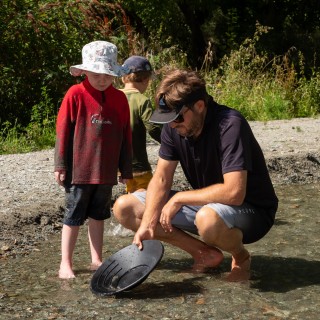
(135, 84)
(93, 141)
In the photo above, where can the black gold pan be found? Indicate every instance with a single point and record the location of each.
(127, 268)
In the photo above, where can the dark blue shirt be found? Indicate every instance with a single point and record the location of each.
(225, 144)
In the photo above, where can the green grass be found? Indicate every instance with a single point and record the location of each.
(33, 138)
(264, 89)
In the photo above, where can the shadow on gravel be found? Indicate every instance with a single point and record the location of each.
(280, 222)
(269, 274)
(283, 274)
(163, 290)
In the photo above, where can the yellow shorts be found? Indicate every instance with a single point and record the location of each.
(139, 181)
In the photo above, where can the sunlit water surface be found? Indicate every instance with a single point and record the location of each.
(284, 285)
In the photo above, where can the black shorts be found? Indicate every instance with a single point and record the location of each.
(87, 201)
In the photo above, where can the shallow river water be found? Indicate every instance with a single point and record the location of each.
(285, 280)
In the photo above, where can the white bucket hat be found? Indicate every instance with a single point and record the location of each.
(99, 57)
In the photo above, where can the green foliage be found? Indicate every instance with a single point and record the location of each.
(14, 139)
(39, 42)
(40, 39)
(264, 89)
(172, 23)
(11, 141)
(39, 133)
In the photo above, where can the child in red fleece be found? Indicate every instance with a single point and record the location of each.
(93, 141)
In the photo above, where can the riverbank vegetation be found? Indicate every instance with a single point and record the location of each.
(41, 39)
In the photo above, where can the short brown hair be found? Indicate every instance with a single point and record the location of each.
(137, 76)
(182, 87)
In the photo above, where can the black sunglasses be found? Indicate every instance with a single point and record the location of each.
(180, 117)
(164, 108)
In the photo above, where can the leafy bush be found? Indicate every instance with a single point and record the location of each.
(39, 41)
(264, 89)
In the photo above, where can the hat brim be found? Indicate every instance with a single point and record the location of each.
(161, 117)
(78, 70)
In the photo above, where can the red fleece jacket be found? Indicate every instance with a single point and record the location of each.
(93, 135)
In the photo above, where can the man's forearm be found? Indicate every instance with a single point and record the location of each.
(231, 192)
(157, 195)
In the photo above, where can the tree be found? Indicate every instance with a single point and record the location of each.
(219, 25)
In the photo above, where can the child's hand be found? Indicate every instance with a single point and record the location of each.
(124, 181)
(60, 176)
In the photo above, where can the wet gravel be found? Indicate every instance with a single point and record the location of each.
(32, 204)
(285, 280)
(286, 277)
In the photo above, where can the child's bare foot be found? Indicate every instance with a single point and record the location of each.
(240, 268)
(66, 272)
(207, 259)
(95, 265)
(66, 275)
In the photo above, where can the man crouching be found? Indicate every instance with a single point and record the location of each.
(232, 202)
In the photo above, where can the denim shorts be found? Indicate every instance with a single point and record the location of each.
(87, 201)
(252, 221)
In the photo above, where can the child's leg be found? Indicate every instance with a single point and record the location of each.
(68, 242)
(95, 233)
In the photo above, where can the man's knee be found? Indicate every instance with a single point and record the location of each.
(209, 224)
(120, 207)
(128, 207)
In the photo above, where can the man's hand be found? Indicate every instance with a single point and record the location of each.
(168, 212)
(60, 177)
(142, 234)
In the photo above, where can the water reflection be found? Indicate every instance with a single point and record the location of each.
(285, 282)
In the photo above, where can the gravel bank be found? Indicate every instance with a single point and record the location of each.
(31, 203)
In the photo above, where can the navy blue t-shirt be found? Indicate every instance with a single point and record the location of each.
(226, 144)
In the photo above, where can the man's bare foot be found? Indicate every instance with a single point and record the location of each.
(94, 266)
(66, 272)
(240, 268)
(207, 259)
